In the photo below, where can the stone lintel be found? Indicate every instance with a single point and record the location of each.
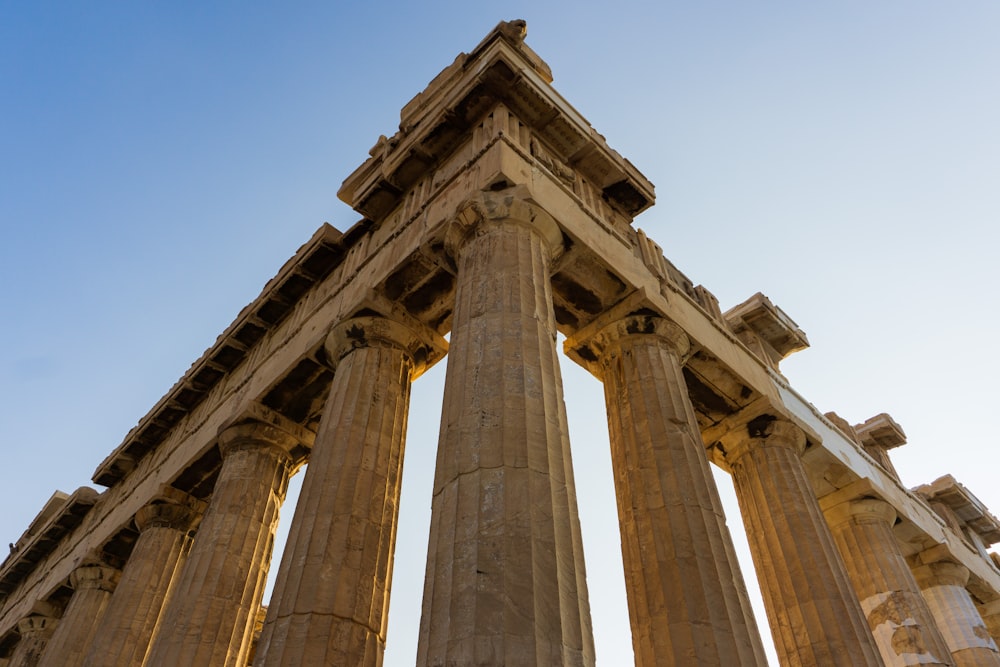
(843, 425)
(966, 506)
(769, 323)
(880, 431)
(310, 264)
(500, 69)
(59, 523)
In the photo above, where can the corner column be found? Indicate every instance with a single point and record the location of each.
(943, 585)
(209, 619)
(505, 580)
(35, 631)
(687, 599)
(902, 624)
(82, 621)
(132, 618)
(815, 616)
(330, 604)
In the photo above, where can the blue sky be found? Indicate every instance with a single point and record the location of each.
(160, 161)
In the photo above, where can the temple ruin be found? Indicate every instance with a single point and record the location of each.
(498, 216)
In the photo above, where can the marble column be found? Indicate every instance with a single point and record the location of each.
(943, 586)
(505, 581)
(991, 616)
(814, 615)
(92, 585)
(687, 599)
(331, 600)
(35, 631)
(209, 619)
(904, 629)
(132, 618)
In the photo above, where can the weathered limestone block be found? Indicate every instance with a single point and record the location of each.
(687, 600)
(92, 585)
(902, 624)
(943, 585)
(991, 616)
(132, 618)
(815, 616)
(35, 630)
(330, 604)
(505, 579)
(209, 619)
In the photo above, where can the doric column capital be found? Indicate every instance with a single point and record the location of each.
(486, 210)
(95, 576)
(764, 431)
(941, 573)
(618, 333)
(254, 434)
(170, 508)
(861, 510)
(376, 331)
(37, 625)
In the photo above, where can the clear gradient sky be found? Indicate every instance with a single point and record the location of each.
(160, 161)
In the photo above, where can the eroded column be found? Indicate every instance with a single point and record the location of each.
(505, 577)
(330, 604)
(92, 587)
(209, 619)
(991, 616)
(132, 618)
(943, 586)
(35, 631)
(904, 629)
(814, 615)
(687, 600)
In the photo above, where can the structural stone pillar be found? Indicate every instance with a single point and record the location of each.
(814, 615)
(209, 619)
(902, 624)
(505, 581)
(943, 586)
(687, 599)
(330, 604)
(35, 631)
(132, 618)
(92, 585)
(991, 615)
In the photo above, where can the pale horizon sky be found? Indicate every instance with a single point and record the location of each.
(159, 163)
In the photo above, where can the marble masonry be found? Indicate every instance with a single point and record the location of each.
(498, 216)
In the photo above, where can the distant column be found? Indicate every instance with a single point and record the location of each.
(92, 587)
(505, 580)
(209, 619)
(687, 599)
(943, 586)
(904, 629)
(330, 604)
(991, 616)
(35, 631)
(132, 618)
(815, 616)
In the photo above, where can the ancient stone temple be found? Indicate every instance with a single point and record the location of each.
(499, 217)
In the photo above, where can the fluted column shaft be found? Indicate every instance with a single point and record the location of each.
(687, 599)
(814, 615)
(904, 629)
(505, 580)
(330, 604)
(209, 619)
(35, 630)
(132, 618)
(943, 586)
(92, 587)
(991, 616)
